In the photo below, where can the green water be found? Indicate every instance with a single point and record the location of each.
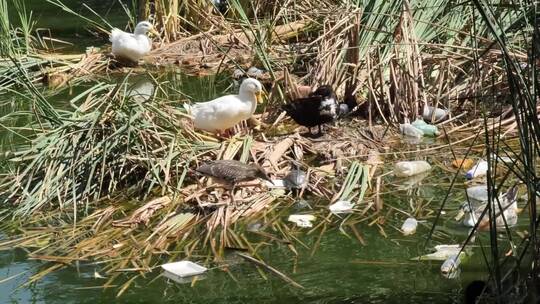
(340, 270)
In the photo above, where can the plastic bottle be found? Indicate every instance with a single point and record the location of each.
(409, 226)
(410, 168)
(427, 129)
(439, 114)
(480, 169)
(410, 130)
(479, 193)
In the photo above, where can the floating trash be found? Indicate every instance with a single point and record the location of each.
(442, 252)
(433, 114)
(409, 226)
(182, 269)
(505, 159)
(450, 267)
(479, 193)
(427, 129)
(480, 169)
(296, 179)
(410, 130)
(275, 183)
(464, 163)
(410, 168)
(302, 220)
(341, 207)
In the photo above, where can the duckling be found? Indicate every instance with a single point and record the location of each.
(317, 109)
(232, 171)
(225, 112)
(509, 211)
(132, 46)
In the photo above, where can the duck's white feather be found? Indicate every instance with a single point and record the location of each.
(225, 112)
(222, 113)
(130, 46)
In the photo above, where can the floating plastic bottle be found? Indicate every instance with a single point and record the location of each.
(341, 207)
(409, 226)
(480, 169)
(427, 129)
(450, 267)
(302, 220)
(479, 193)
(410, 130)
(410, 168)
(433, 114)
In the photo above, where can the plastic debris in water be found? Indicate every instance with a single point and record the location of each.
(296, 179)
(275, 183)
(480, 169)
(450, 267)
(183, 269)
(479, 193)
(505, 159)
(464, 163)
(409, 226)
(433, 114)
(302, 220)
(427, 129)
(410, 168)
(410, 130)
(442, 252)
(341, 207)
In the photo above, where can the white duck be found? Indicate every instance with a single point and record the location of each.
(225, 112)
(132, 46)
(509, 212)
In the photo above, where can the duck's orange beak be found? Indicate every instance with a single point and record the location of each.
(259, 96)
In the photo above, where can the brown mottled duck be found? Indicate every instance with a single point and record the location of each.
(232, 171)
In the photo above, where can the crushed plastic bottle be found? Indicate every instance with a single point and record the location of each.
(427, 129)
(302, 220)
(341, 207)
(479, 193)
(433, 114)
(450, 267)
(480, 169)
(410, 168)
(410, 130)
(409, 226)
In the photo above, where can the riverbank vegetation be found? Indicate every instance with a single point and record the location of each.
(108, 178)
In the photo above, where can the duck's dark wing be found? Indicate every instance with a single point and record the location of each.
(305, 111)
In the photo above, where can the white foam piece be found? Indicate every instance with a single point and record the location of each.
(184, 269)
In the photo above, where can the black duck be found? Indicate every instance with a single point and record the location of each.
(318, 108)
(232, 171)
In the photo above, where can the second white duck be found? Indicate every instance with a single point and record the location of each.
(132, 46)
(225, 112)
